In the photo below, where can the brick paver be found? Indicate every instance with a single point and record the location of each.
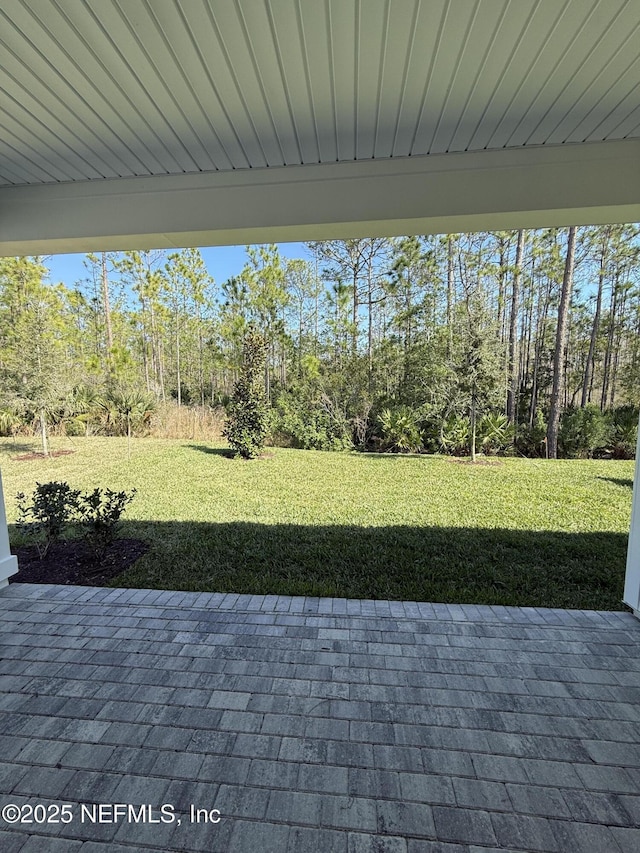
(315, 724)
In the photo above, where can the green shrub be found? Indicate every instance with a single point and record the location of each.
(624, 432)
(584, 431)
(531, 440)
(74, 427)
(50, 512)
(246, 426)
(99, 515)
(400, 430)
(495, 433)
(307, 425)
(455, 435)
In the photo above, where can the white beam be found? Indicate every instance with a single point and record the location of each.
(591, 183)
(8, 563)
(632, 576)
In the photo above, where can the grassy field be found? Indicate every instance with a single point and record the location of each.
(521, 531)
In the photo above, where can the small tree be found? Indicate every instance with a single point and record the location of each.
(246, 424)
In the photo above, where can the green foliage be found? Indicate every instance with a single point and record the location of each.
(246, 426)
(54, 508)
(531, 440)
(495, 433)
(48, 514)
(297, 422)
(584, 431)
(99, 515)
(125, 411)
(11, 416)
(454, 435)
(400, 430)
(624, 432)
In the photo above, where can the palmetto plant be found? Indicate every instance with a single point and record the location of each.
(495, 432)
(125, 410)
(400, 430)
(83, 405)
(624, 432)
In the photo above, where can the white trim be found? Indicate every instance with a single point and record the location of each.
(632, 575)
(528, 187)
(8, 563)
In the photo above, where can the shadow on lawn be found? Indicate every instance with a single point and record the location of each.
(227, 452)
(537, 568)
(618, 481)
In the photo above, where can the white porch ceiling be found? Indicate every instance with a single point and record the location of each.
(147, 123)
(93, 89)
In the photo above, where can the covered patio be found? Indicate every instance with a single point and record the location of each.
(318, 724)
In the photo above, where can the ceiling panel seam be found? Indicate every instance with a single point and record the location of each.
(283, 77)
(194, 96)
(97, 92)
(214, 89)
(260, 81)
(307, 77)
(153, 65)
(425, 92)
(632, 34)
(562, 58)
(52, 93)
(405, 75)
(549, 30)
(479, 74)
(452, 79)
(234, 78)
(383, 59)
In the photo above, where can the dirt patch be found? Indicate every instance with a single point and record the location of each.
(27, 457)
(73, 562)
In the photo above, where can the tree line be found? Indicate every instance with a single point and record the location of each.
(523, 341)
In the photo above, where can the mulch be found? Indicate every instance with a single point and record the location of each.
(27, 457)
(73, 562)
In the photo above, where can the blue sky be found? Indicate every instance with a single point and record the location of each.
(222, 262)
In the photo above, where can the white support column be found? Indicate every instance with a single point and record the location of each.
(8, 563)
(632, 577)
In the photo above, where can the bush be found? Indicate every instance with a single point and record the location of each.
(624, 432)
(246, 425)
(308, 425)
(531, 441)
(52, 509)
(400, 430)
(455, 435)
(495, 433)
(584, 431)
(99, 514)
(56, 507)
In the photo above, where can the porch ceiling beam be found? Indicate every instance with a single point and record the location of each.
(532, 187)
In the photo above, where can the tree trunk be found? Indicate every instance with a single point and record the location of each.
(106, 306)
(610, 337)
(512, 392)
(590, 365)
(473, 420)
(43, 432)
(561, 345)
(449, 295)
(178, 375)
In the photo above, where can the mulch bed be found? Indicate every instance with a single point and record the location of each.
(27, 457)
(73, 562)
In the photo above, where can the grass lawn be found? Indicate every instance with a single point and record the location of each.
(522, 531)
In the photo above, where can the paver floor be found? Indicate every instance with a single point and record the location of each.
(320, 725)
